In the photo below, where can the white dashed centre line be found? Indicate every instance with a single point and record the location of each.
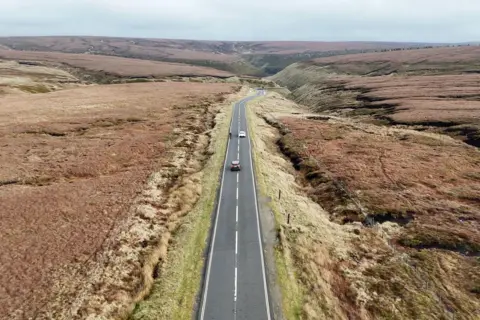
(236, 254)
(236, 242)
(235, 292)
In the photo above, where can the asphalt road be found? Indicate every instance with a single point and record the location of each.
(235, 283)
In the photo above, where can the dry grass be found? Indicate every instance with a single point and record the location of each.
(238, 57)
(115, 65)
(439, 103)
(133, 47)
(21, 78)
(453, 98)
(310, 238)
(423, 61)
(291, 47)
(77, 230)
(186, 49)
(421, 261)
(451, 54)
(265, 160)
(173, 295)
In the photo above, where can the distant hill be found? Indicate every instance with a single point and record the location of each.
(451, 60)
(248, 58)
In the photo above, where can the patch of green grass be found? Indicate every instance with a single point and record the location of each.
(38, 88)
(476, 289)
(137, 80)
(174, 292)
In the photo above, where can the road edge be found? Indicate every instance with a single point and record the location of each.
(200, 301)
(268, 237)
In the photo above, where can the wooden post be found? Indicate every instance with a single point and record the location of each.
(279, 194)
(288, 219)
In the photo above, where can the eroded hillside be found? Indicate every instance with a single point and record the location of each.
(373, 222)
(434, 90)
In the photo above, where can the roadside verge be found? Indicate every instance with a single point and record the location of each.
(285, 296)
(174, 292)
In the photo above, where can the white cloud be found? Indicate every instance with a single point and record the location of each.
(392, 20)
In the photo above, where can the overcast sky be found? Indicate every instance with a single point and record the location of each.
(327, 20)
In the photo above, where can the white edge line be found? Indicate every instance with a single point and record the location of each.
(258, 229)
(210, 254)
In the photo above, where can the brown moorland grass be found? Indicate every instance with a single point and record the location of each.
(153, 48)
(445, 60)
(20, 78)
(186, 49)
(115, 65)
(445, 54)
(420, 258)
(71, 166)
(291, 47)
(417, 99)
(239, 57)
(448, 103)
(427, 185)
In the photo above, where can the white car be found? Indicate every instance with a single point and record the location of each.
(242, 134)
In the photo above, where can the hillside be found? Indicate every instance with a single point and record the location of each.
(249, 58)
(447, 60)
(373, 222)
(374, 149)
(92, 186)
(113, 66)
(434, 89)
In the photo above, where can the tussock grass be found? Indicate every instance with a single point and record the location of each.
(174, 292)
(292, 295)
(397, 269)
(102, 185)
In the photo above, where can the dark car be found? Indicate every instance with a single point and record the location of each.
(235, 166)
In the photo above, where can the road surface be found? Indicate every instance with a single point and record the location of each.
(235, 282)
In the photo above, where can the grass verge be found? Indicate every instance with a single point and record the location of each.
(174, 291)
(291, 294)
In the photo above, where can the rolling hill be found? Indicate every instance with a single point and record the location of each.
(248, 58)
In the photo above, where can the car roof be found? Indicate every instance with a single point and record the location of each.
(242, 131)
(235, 162)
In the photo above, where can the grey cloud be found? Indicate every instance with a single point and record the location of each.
(330, 20)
